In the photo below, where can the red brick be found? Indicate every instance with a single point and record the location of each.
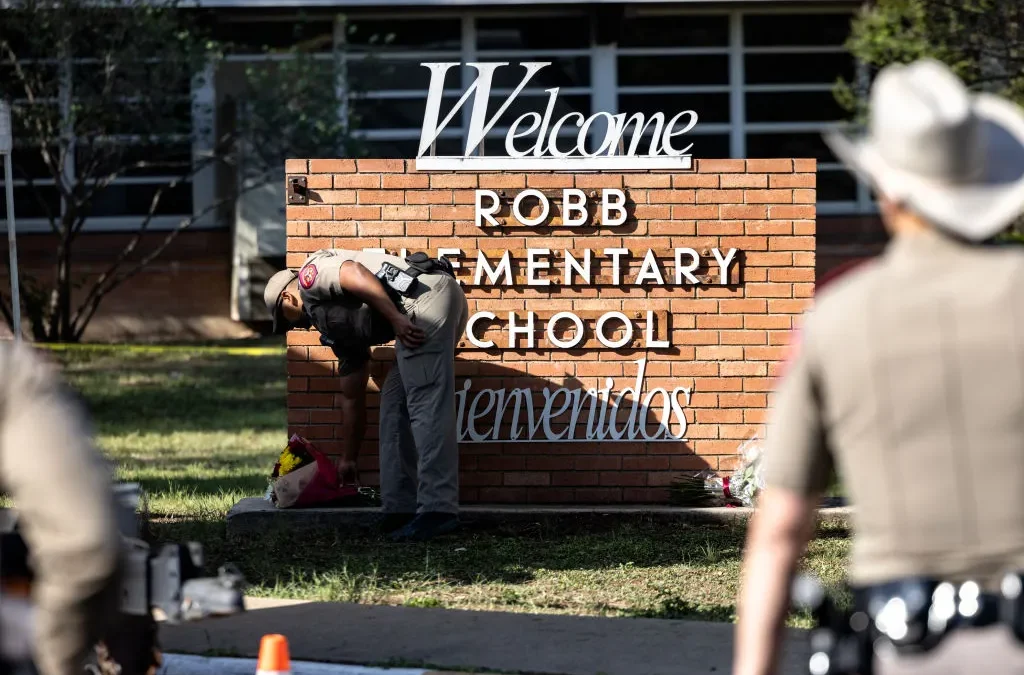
(744, 212)
(696, 180)
(804, 196)
(549, 463)
(598, 495)
(545, 180)
(430, 228)
(720, 196)
(453, 180)
(381, 197)
(745, 306)
(296, 166)
(330, 228)
(744, 180)
(332, 165)
(405, 213)
(357, 180)
(623, 478)
(516, 479)
(791, 212)
(702, 212)
(804, 227)
(791, 244)
(805, 165)
(742, 400)
(770, 165)
(597, 463)
(720, 166)
(719, 227)
(357, 212)
(787, 306)
(770, 290)
(573, 478)
(722, 353)
(297, 229)
(768, 196)
(598, 181)
(673, 196)
(381, 165)
(428, 197)
(494, 181)
(647, 180)
(338, 196)
(502, 495)
(645, 463)
(405, 181)
(308, 212)
(795, 180)
(307, 245)
(804, 274)
(769, 227)
(768, 321)
(764, 353)
(320, 181)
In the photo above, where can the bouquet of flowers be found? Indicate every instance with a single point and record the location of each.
(303, 477)
(748, 479)
(707, 488)
(294, 456)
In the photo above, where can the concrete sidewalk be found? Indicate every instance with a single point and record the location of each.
(486, 641)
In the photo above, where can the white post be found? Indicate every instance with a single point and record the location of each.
(203, 91)
(737, 89)
(6, 148)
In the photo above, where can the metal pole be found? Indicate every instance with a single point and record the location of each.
(12, 246)
(6, 148)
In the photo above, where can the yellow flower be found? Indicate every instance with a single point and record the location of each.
(289, 462)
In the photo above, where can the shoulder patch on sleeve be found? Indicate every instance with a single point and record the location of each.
(307, 276)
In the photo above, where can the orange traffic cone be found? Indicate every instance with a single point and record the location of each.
(274, 659)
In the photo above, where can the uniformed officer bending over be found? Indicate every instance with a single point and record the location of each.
(360, 299)
(909, 379)
(61, 488)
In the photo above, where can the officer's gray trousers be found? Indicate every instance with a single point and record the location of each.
(419, 454)
(965, 652)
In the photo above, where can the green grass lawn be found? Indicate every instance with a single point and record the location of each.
(200, 429)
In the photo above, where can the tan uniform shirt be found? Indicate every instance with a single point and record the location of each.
(61, 487)
(320, 283)
(909, 378)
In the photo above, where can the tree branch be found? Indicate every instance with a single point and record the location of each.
(108, 282)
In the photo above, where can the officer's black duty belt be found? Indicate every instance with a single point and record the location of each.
(403, 282)
(903, 617)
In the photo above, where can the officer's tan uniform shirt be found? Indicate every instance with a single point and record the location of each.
(320, 282)
(909, 376)
(61, 487)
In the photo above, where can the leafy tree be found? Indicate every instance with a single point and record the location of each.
(982, 41)
(97, 89)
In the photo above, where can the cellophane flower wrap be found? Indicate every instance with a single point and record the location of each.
(747, 481)
(294, 456)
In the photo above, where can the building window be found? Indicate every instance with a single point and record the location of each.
(673, 62)
(115, 134)
(791, 62)
(386, 85)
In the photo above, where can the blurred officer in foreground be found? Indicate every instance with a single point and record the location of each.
(908, 378)
(357, 299)
(61, 488)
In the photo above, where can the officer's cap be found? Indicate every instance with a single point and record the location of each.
(272, 295)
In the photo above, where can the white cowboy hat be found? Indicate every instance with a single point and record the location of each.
(954, 157)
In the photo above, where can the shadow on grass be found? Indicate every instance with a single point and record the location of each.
(508, 554)
(176, 392)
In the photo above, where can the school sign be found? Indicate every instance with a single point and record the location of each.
(629, 301)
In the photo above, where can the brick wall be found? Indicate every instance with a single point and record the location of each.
(726, 341)
(185, 294)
